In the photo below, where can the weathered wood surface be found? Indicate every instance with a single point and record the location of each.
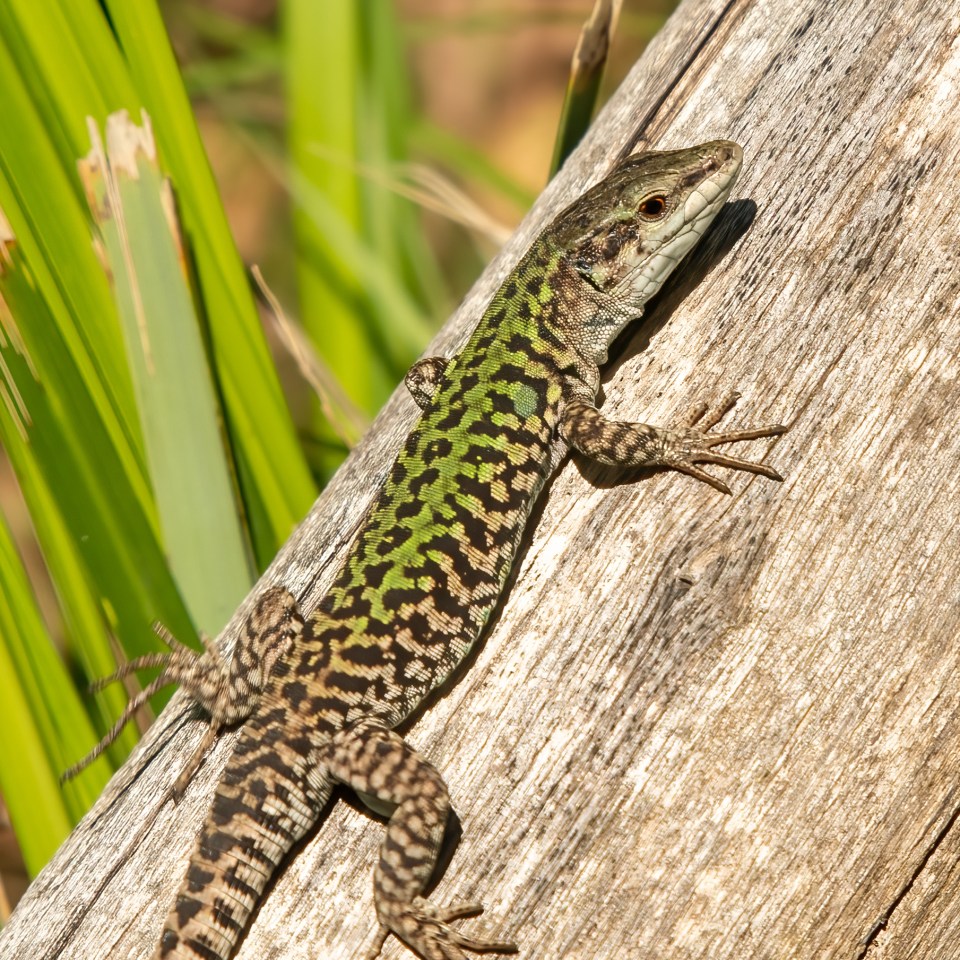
(701, 727)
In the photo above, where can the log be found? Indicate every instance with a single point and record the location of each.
(701, 726)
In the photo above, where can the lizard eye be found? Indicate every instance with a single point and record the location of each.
(653, 208)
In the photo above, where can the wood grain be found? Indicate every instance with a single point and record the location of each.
(701, 726)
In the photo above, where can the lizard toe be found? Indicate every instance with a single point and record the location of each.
(425, 928)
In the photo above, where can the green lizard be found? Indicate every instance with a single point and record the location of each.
(320, 697)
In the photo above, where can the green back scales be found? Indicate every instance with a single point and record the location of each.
(430, 562)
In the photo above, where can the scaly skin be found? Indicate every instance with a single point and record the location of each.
(432, 557)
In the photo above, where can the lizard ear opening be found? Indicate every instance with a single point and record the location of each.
(591, 273)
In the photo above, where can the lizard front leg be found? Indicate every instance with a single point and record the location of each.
(423, 379)
(376, 761)
(680, 448)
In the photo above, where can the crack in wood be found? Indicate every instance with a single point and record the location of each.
(883, 921)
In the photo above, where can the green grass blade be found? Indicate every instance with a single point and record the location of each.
(67, 414)
(364, 274)
(353, 256)
(66, 55)
(88, 650)
(275, 484)
(392, 222)
(200, 517)
(53, 363)
(586, 73)
(41, 720)
(38, 156)
(323, 54)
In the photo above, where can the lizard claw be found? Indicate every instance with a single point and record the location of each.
(694, 445)
(425, 928)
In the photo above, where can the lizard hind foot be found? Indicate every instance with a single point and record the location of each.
(425, 928)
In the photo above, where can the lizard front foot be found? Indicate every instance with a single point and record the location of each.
(677, 448)
(425, 928)
(683, 449)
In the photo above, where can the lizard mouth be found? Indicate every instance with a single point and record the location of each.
(709, 183)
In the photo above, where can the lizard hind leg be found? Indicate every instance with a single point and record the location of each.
(227, 689)
(373, 760)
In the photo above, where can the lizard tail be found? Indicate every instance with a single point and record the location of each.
(262, 807)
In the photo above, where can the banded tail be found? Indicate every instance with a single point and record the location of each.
(262, 807)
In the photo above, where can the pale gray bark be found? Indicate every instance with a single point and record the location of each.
(701, 727)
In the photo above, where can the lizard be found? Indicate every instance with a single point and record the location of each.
(319, 697)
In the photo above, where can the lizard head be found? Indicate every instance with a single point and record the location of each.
(625, 235)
